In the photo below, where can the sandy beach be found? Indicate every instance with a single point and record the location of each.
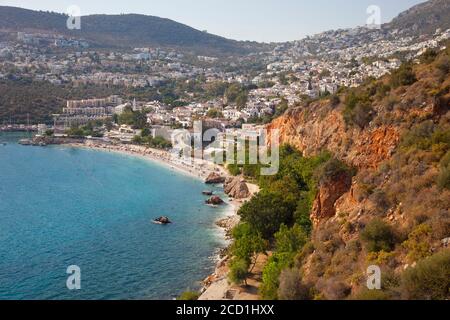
(199, 169)
(215, 286)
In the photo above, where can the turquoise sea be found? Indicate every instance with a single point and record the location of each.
(62, 206)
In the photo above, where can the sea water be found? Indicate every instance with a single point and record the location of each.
(63, 206)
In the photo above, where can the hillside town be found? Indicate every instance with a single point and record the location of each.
(289, 74)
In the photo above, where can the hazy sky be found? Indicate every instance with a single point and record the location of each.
(259, 20)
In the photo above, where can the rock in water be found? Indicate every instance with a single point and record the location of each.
(214, 178)
(163, 220)
(214, 200)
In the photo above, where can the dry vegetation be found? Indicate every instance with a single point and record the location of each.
(399, 213)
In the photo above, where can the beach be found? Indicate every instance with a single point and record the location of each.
(199, 169)
(215, 286)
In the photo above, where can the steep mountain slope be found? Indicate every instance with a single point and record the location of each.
(130, 30)
(395, 211)
(423, 18)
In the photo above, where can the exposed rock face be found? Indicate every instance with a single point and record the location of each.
(312, 132)
(237, 188)
(329, 192)
(214, 178)
(214, 200)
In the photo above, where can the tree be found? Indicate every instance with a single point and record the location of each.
(214, 113)
(266, 212)
(145, 132)
(248, 244)
(232, 92)
(241, 99)
(290, 240)
(126, 117)
(139, 120)
(238, 271)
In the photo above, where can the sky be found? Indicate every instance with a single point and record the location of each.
(255, 20)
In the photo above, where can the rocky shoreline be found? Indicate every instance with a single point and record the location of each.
(216, 286)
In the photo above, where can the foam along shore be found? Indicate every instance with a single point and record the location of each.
(215, 286)
(199, 169)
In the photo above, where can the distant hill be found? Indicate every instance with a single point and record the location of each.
(127, 30)
(424, 18)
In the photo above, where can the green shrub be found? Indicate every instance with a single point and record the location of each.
(445, 160)
(234, 169)
(443, 180)
(443, 64)
(403, 76)
(428, 56)
(358, 109)
(418, 243)
(270, 280)
(332, 170)
(291, 287)
(288, 242)
(189, 296)
(302, 213)
(378, 236)
(419, 136)
(429, 280)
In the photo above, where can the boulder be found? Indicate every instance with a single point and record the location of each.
(214, 200)
(214, 178)
(236, 187)
(163, 220)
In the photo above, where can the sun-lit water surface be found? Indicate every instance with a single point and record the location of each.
(62, 206)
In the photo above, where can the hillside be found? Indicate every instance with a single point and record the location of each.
(364, 180)
(423, 18)
(127, 31)
(394, 212)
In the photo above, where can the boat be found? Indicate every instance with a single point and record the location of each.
(207, 193)
(162, 221)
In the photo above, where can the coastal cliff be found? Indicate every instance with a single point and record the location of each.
(394, 212)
